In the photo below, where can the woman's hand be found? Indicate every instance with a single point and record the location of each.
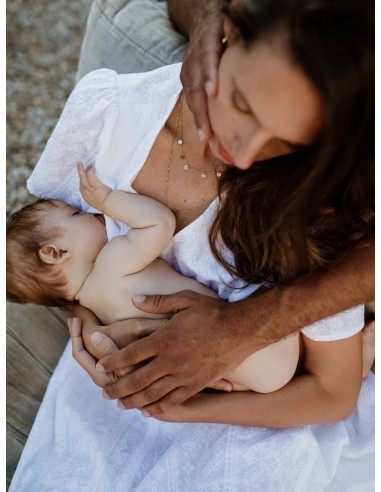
(121, 332)
(105, 346)
(101, 345)
(197, 347)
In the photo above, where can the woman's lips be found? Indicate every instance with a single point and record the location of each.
(225, 155)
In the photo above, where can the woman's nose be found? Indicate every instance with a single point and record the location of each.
(248, 150)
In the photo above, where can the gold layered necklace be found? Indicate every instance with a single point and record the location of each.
(187, 167)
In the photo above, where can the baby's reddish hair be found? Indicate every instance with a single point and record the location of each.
(29, 279)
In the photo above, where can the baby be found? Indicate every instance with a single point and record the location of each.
(58, 254)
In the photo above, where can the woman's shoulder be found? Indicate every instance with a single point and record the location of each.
(341, 325)
(154, 82)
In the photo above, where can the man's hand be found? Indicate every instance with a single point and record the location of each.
(197, 347)
(93, 191)
(201, 21)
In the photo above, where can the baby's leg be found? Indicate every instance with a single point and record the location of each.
(268, 369)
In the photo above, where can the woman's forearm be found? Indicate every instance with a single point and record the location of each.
(185, 14)
(282, 310)
(303, 401)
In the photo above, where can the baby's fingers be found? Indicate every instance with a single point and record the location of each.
(81, 172)
(91, 176)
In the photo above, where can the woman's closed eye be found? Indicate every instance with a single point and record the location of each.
(240, 104)
(77, 212)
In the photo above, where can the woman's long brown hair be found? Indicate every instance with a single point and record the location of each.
(296, 213)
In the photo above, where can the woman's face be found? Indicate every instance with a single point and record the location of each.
(265, 106)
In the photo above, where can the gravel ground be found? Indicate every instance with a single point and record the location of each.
(43, 44)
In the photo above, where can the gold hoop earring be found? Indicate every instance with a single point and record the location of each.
(225, 39)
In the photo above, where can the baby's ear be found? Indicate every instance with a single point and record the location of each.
(53, 255)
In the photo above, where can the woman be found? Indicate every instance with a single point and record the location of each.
(247, 327)
(177, 453)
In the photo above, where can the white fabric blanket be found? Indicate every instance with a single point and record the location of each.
(80, 442)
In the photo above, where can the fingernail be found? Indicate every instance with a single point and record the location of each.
(105, 395)
(228, 388)
(209, 87)
(100, 368)
(138, 298)
(96, 338)
(120, 405)
(201, 134)
(145, 414)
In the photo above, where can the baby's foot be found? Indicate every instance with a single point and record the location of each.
(368, 347)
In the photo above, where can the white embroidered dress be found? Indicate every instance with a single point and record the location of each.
(83, 443)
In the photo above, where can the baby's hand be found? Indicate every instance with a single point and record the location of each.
(92, 190)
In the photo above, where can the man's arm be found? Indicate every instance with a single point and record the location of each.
(326, 393)
(215, 337)
(346, 283)
(186, 14)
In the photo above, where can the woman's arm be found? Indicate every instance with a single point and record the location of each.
(215, 337)
(327, 393)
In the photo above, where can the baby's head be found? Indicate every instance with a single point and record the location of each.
(43, 238)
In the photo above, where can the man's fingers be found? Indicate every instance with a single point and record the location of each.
(197, 101)
(210, 62)
(172, 399)
(135, 353)
(135, 382)
(154, 392)
(172, 303)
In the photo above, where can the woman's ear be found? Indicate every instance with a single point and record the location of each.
(228, 28)
(53, 255)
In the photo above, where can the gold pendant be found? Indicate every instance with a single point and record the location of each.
(186, 167)
(203, 175)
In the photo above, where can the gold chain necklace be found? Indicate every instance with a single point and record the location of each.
(186, 166)
(180, 141)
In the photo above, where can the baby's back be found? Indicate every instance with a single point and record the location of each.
(110, 296)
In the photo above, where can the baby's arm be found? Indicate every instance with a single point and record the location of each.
(152, 223)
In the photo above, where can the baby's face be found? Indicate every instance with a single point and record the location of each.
(81, 233)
